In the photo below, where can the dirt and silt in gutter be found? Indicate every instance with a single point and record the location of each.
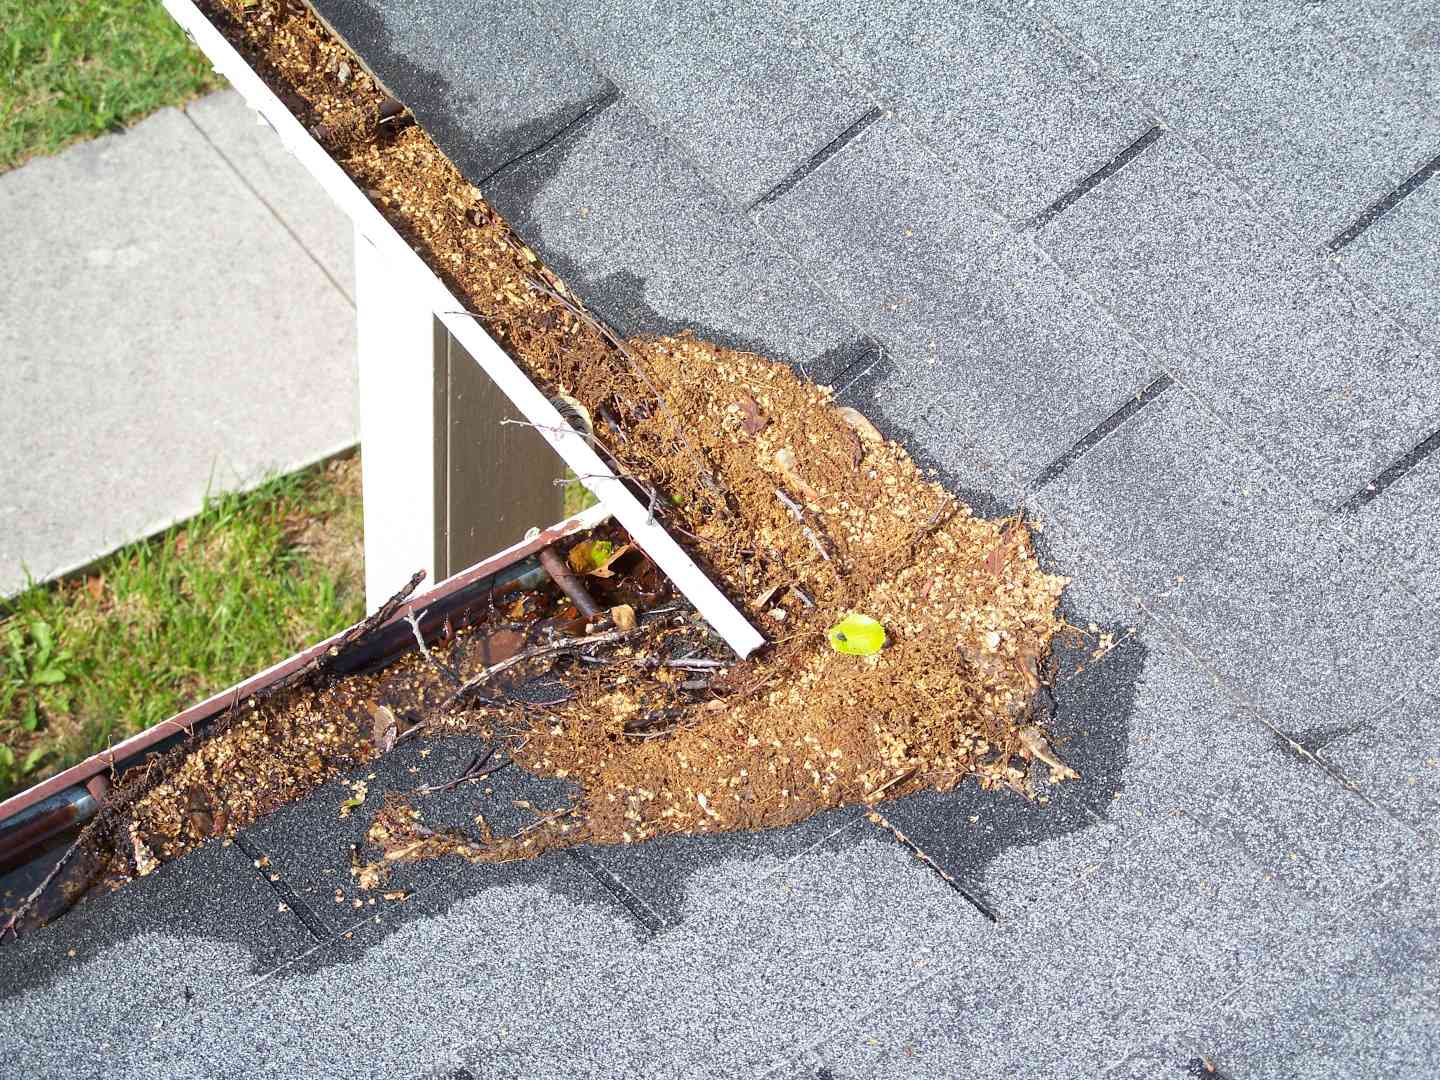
(797, 508)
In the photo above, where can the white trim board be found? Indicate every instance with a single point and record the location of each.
(389, 246)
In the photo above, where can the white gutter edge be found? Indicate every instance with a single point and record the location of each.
(722, 615)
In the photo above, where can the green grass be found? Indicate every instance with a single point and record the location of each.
(575, 497)
(166, 622)
(72, 69)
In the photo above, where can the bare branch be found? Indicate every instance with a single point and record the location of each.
(446, 671)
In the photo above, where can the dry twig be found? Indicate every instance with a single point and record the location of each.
(445, 670)
(612, 637)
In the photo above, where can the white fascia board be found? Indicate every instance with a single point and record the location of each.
(576, 451)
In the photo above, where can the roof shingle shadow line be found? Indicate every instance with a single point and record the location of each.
(1392, 473)
(824, 154)
(1385, 205)
(594, 106)
(1241, 436)
(619, 296)
(1241, 705)
(285, 894)
(895, 113)
(635, 906)
(1101, 431)
(972, 898)
(1313, 741)
(1095, 179)
(672, 139)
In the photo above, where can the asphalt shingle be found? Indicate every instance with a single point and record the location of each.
(1170, 923)
(749, 100)
(1395, 760)
(1264, 94)
(1028, 364)
(81, 993)
(880, 228)
(1355, 997)
(534, 971)
(1394, 257)
(983, 328)
(1026, 121)
(664, 873)
(522, 964)
(1244, 569)
(650, 245)
(1189, 745)
(1329, 388)
(1399, 38)
(439, 58)
(848, 924)
(308, 843)
(1400, 530)
(955, 457)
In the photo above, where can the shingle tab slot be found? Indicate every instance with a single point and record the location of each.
(824, 154)
(1398, 469)
(1095, 179)
(1101, 430)
(1385, 205)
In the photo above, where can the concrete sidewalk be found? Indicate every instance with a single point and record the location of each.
(176, 314)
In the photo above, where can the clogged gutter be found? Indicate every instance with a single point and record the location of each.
(798, 509)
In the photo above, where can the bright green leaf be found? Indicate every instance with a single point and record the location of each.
(33, 758)
(590, 555)
(49, 676)
(16, 642)
(40, 631)
(857, 635)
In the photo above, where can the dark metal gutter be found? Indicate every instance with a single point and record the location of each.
(33, 819)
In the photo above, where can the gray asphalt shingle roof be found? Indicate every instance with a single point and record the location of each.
(1084, 255)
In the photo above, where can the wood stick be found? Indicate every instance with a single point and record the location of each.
(569, 583)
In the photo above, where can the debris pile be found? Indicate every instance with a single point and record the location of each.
(909, 637)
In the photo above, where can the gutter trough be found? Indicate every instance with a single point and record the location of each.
(36, 824)
(400, 258)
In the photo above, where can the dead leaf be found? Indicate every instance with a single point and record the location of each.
(785, 458)
(372, 876)
(145, 860)
(1037, 746)
(1000, 553)
(594, 557)
(765, 597)
(623, 616)
(856, 421)
(752, 418)
(95, 586)
(383, 727)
